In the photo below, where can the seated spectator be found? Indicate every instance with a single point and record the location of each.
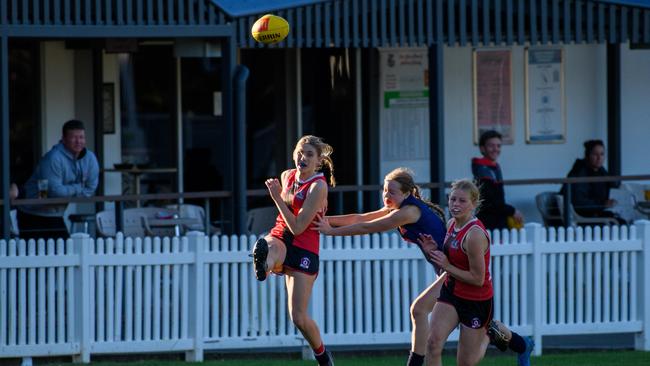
(67, 170)
(592, 199)
(493, 210)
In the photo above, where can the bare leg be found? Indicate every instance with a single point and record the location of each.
(268, 255)
(420, 310)
(299, 286)
(471, 346)
(277, 254)
(445, 318)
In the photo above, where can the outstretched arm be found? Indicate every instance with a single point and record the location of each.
(390, 220)
(344, 220)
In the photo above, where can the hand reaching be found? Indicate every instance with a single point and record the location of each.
(275, 189)
(427, 244)
(322, 224)
(430, 248)
(440, 259)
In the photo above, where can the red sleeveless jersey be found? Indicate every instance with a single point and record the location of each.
(458, 258)
(308, 239)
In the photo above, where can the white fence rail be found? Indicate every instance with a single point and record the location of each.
(81, 297)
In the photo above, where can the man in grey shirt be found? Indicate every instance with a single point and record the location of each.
(69, 169)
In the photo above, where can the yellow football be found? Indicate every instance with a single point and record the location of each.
(270, 29)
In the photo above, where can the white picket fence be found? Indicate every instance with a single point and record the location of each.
(196, 293)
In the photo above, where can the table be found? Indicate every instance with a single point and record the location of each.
(137, 173)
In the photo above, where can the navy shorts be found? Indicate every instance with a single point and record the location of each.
(473, 314)
(299, 259)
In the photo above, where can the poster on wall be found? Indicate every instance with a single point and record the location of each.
(404, 111)
(545, 109)
(492, 76)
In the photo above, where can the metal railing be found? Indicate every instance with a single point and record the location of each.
(336, 195)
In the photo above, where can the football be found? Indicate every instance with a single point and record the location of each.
(270, 29)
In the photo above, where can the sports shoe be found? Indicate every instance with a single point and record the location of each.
(325, 358)
(260, 252)
(497, 337)
(330, 362)
(523, 359)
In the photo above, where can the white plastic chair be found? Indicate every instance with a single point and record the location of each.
(13, 218)
(105, 221)
(547, 204)
(261, 220)
(191, 211)
(576, 219)
(626, 202)
(136, 222)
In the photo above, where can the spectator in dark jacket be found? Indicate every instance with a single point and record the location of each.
(592, 199)
(493, 210)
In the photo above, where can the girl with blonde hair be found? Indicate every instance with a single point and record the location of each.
(292, 246)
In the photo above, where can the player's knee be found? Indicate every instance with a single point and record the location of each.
(435, 344)
(417, 310)
(300, 319)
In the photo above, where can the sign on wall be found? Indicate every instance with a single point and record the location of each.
(404, 115)
(492, 76)
(545, 107)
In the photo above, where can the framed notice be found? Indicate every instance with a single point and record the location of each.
(545, 101)
(492, 79)
(108, 106)
(404, 110)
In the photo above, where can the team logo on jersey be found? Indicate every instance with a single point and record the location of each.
(304, 263)
(451, 239)
(476, 323)
(300, 195)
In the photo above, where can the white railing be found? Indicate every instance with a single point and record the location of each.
(81, 297)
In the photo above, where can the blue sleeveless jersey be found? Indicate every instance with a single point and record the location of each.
(429, 223)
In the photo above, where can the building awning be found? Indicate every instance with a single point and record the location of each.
(238, 8)
(637, 3)
(408, 23)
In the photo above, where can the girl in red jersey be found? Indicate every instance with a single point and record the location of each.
(466, 295)
(292, 246)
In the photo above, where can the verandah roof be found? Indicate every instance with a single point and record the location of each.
(238, 8)
(403, 23)
(639, 3)
(341, 23)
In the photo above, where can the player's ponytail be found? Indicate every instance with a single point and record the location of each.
(435, 208)
(328, 169)
(404, 177)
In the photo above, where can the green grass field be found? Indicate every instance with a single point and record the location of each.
(581, 358)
